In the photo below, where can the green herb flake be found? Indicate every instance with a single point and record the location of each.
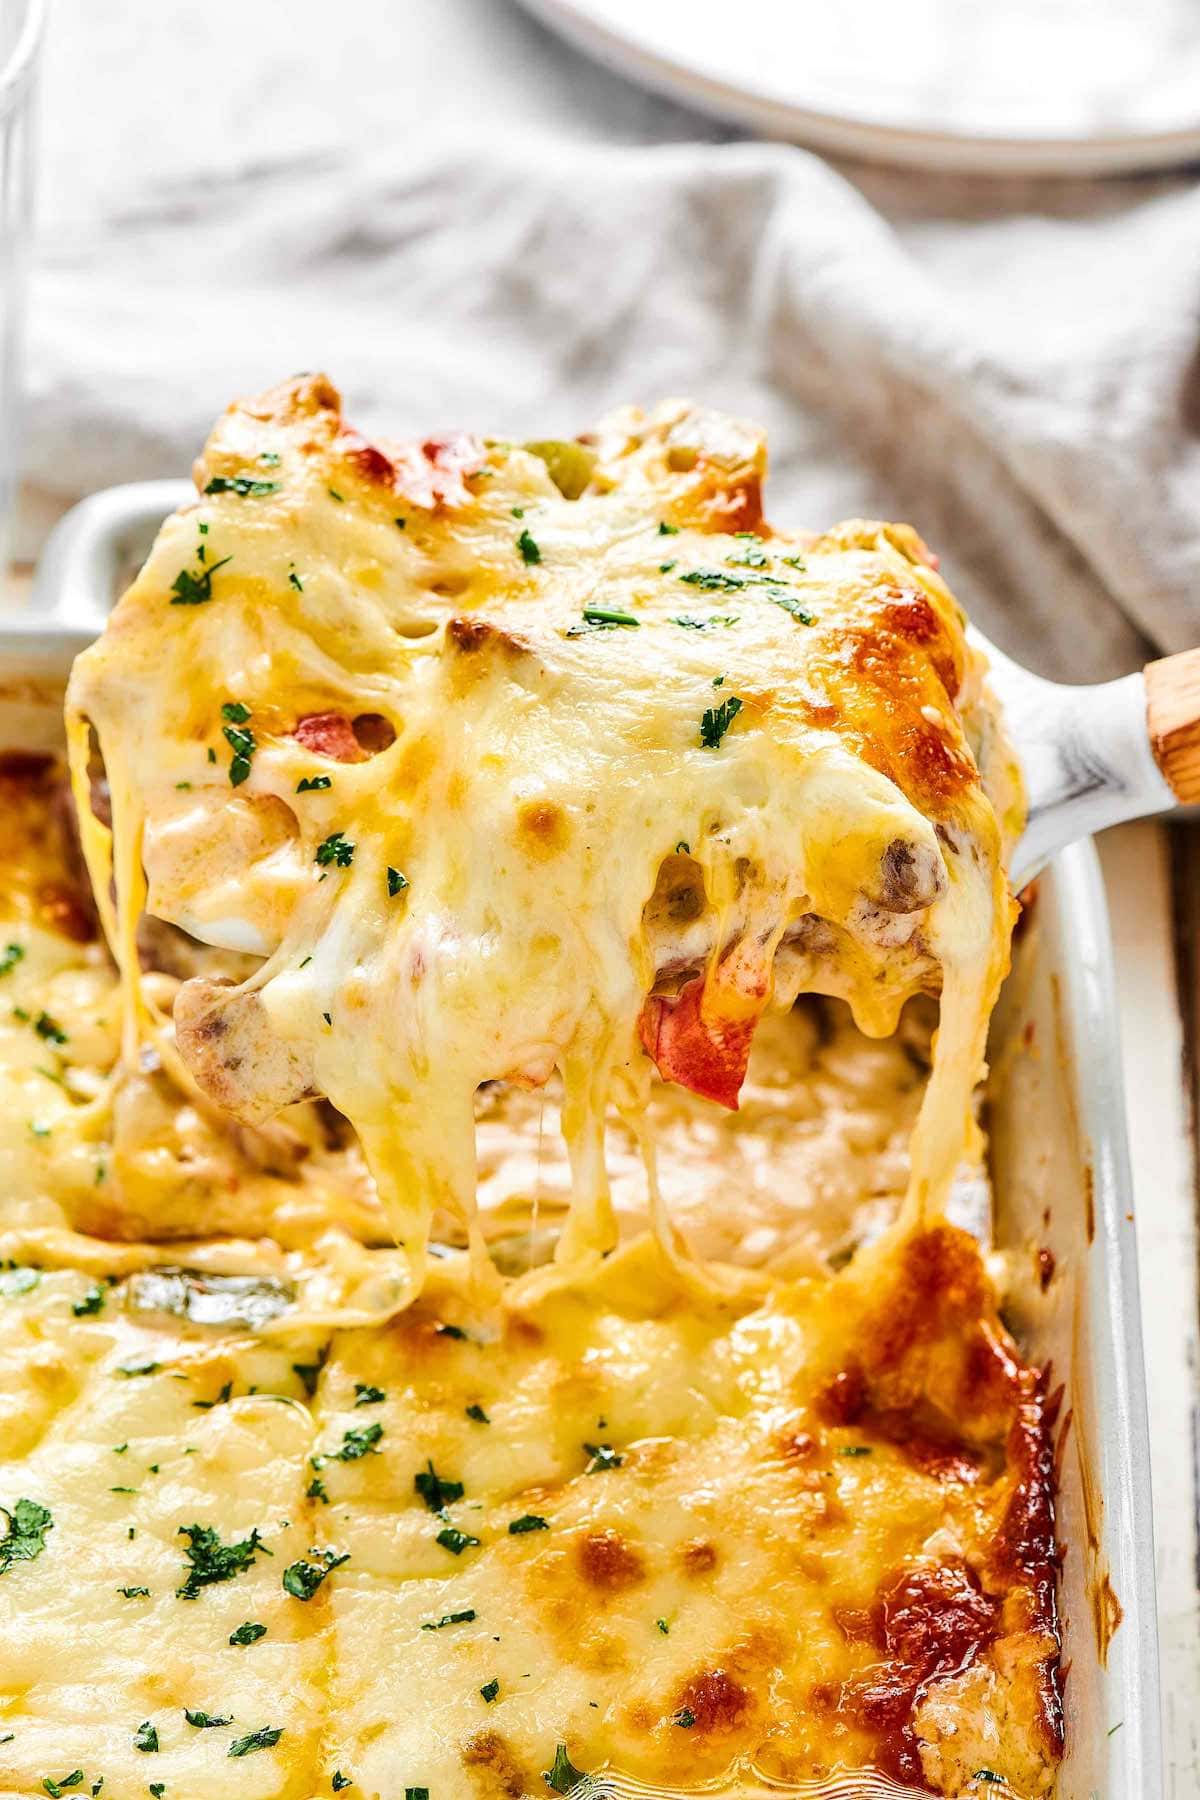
(663, 1627)
(211, 1561)
(270, 459)
(336, 849)
(717, 720)
(855, 1450)
(458, 1618)
(64, 1782)
(607, 615)
(334, 495)
(417, 1793)
(316, 1490)
(264, 1739)
(145, 1737)
(527, 1522)
(456, 1541)
(366, 1395)
(339, 1782)
(791, 605)
(489, 1691)
(243, 744)
(25, 1538)
(685, 1718)
(207, 1721)
(190, 589)
(302, 1579)
(235, 712)
(129, 1370)
(359, 1441)
(396, 882)
(476, 1412)
(437, 1491)
(225, 1394)
(400, 524)
(665, 530)
(529, 550)
(452, 1331)
(309, 784)
(295, 581)
(245, 486)
(562, 1775)
(601, 1456)
(135, 1593)
(157, 1788)
(49, 1029)
(249, 1633)
(92, 1302)
(713, 580)
(10, 956)
(987, 1775)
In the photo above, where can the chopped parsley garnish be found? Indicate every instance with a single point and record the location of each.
(601, 1456)
(400, 523)
(527, 1522)
(235, 712)
(562, 1775)
(855, 1450)
(249, 1633)
(717, 720)
(685, 1717)
(28, 1523)
(607, 615)
(663, 1627)
(190, 589)
(749, 559)
(271, 458)
(396, 882)
(129, 1370)
(528, 548)
(243, 485)
(416, 1793)
(665, 530)
(335, 849)
(459, 1618)
(452, 1331)
(368, 1395)
(456, 1541)
(334, 495)
(157, 1788)
(437, 1491)
(316, 1490)
(309, 784)
(206, 1721)
(135, 1593)
(791, 605)
(692, 624)
(92, 1302)
(210, 1560)
(340, 1781)
(122, 1490)
(360, 1440)
(145, 1737)
(243, 744)
(59, 1787)
(302, 1579)
(225, 1394)
(476, 1412)
(264, 1739)
(665, 568)
(295, 581)
(713, 580)
(794, 562)
(518, 512)
(489, 1691)
(10, 956)
(49, 1029)
(987, 1775)
(683, 848)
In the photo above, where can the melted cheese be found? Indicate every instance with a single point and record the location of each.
(833, 1490)
(628, 767)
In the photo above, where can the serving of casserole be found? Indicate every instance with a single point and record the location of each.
(500, 1293)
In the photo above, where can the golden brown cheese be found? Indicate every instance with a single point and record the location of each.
(502, 775)
(810, 1515)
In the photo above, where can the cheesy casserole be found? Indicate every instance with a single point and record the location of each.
(486, 1307)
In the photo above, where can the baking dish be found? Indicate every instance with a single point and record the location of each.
(1063, 1221)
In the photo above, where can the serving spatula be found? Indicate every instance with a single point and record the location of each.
(1091, 756)
(1096, 755)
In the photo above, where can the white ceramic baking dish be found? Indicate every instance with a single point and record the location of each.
(1063, 1198)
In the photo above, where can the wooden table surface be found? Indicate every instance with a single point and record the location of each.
(1152, 872)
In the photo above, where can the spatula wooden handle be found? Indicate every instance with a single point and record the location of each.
(1173, 716)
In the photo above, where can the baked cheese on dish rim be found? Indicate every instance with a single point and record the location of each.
(296, 1508)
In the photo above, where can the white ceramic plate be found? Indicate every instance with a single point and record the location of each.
(1034, 87)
